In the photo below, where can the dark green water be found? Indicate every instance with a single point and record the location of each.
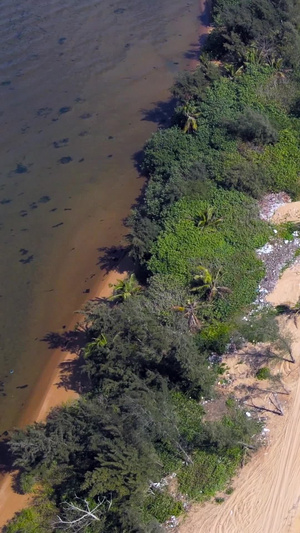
(78, 82)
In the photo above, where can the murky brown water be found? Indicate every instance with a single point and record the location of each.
(77, 81)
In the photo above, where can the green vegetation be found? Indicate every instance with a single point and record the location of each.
(263, 373)
(161, 505)
(151, 355)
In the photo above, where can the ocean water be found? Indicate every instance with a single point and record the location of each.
(82, 86)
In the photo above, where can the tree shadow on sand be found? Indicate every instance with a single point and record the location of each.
(71, 376)
(115, 258)
(69, 341)
(70, 371)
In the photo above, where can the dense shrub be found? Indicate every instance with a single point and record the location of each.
(263, 373)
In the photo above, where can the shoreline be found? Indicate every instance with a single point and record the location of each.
(48, 391)
(49, 394)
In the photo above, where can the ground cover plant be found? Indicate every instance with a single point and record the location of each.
(151, 352)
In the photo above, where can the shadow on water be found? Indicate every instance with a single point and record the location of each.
(205, 17)
(161, 114)
(138, 158)
(205, 21)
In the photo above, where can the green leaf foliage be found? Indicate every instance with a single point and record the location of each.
(230, 246)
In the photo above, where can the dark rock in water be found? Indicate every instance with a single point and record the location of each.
(65, 160)
(83, 133)
(64, 110)
(57, 225)
(33, 205)
(52, 210)
(119, 11)
(110, 137)
(5, 201)
(5, 83)
(44, 199)
(22, 387)
(86, 291)
(109, 156)
(62, 40)
(67, 208)
(60, 143)
(27, 260)
(23, 213)
(21, 169)
(81, 160)
(44, 111)
(85, 116)
(23, 251)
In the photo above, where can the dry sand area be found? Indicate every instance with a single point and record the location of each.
(48, 394)
(289, 212)
(266, 498)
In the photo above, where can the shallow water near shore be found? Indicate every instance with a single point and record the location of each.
(79, 87)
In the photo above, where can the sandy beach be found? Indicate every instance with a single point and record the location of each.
(48, 394)
(266, 497)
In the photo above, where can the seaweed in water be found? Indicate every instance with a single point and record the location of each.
(44, 199)
(65, 160)
(21, 169)
(64, 110)
(5, 201)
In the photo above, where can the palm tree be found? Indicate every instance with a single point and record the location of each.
(189, 115)
(233, 71)
(190, 311)
(254, 56)
(207, 217)
(292, 312)
(123, 289)
(97, 342)
(207, 284)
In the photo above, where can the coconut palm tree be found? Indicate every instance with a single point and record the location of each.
(189, 115)
(190, 312)
(207, 217)
(233, 71)
(291, 312)
(207, 284)
(124, 289)
(97, 342)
